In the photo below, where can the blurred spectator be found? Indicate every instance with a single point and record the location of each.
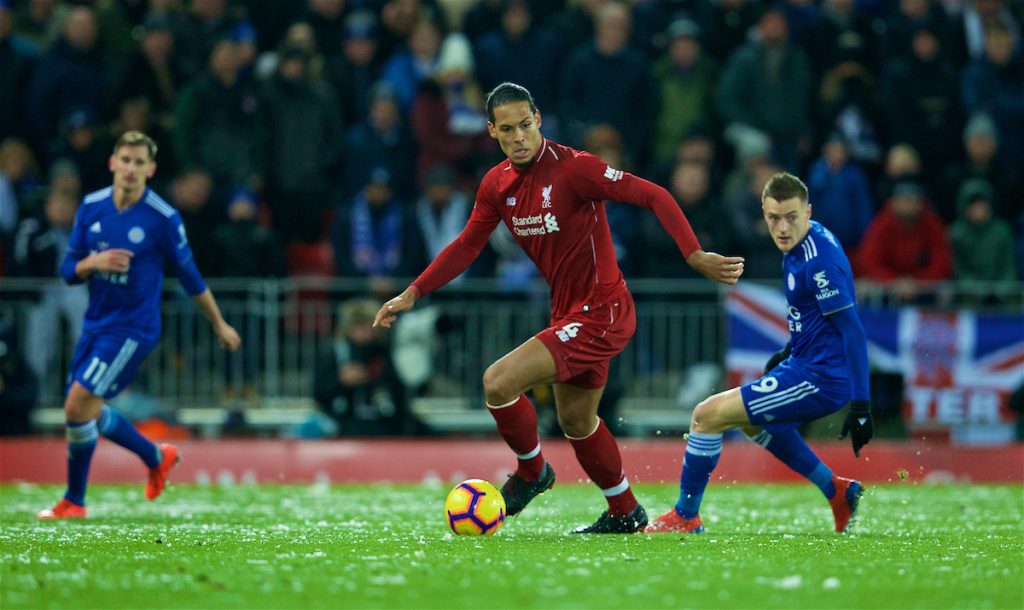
(684, 81)
(905, 18)
(18, 58)
(483, 18)
(839, 193)
(994, 84)
(151, 72)
(355, 382)
(400, 19)
(243, 248)
(521, 51)
(382, 140)
(753, 149)
(981, 141)
(40, 22)
(326, 18)
(375, 237)
(837, 28)
(299, 35)
(588, 100)
(906, 242)
(730, 26)
(197, 33)
(72, 75)
(982, 242)
(762, 258)
(448, 118)
(902, 161)
(414, 62)
(358, 68)
(191, 194)
(219, 124)
(692, 189)
(920, 95)
(39, 247)
(766, 85)
(305, 137)
(64, 177)
(847, 102)
(441, 212)
(18, 164)
(969, 38)
(19, 387)
(245, 36)
(83, 142)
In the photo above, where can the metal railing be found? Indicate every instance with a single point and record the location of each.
(286, 324)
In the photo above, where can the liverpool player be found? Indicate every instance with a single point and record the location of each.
(551, 198)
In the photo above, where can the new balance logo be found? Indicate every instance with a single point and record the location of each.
(550, 222)
(95, 228)
(511, 201)
(568, 331)
(612, 174)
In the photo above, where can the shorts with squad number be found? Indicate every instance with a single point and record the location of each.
(791, 394)
(105, 363)
(583, 343)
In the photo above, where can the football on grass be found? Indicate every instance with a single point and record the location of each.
(475, 507)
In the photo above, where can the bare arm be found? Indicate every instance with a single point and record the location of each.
(226, 335)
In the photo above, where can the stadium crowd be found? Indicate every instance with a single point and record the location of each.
(293, 130)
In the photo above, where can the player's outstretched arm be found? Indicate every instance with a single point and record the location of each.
(227, 336)
(388, 312)
(715, 267)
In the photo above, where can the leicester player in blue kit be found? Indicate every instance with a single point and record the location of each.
(822, 368)
(122, 237)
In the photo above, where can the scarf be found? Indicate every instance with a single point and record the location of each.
(376, 242)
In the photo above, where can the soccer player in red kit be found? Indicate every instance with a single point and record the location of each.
(551, 198)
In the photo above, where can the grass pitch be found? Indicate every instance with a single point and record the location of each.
(314, 546)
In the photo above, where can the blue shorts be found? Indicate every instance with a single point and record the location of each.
(790, 394)
(105, 363)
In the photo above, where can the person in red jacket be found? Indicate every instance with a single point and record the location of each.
(906, 242)
(551, 198)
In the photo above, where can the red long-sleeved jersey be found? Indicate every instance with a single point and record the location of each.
(555, 210)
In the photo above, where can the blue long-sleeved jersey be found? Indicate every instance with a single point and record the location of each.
(153, 231)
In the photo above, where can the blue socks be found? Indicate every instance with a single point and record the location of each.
(701, 457)
(791, 449)
(81, 444)
(117, 428)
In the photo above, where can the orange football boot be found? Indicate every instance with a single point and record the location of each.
(673, 523)
(65, 509)
(158, 474)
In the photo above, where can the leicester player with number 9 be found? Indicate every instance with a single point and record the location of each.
(822, 368)
(122, 237)
(551, 198)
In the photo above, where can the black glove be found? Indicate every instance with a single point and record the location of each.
(776, 358)
(859, 424)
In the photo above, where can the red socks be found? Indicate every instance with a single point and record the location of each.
(517, 423)
(599, 455)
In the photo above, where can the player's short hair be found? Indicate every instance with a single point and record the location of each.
(136, 138)
(783, 186)
(508, 93)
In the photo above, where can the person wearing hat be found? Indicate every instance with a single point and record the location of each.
(354, 381)
(684, 83)
(383, 138)
(305, 136)
(982, 242)
(374, 235)
(906, 242)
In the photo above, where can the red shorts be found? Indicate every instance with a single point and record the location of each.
(583, 343)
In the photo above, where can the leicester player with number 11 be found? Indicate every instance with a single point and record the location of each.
(122, 237)
(551, 198)
(822, 368)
